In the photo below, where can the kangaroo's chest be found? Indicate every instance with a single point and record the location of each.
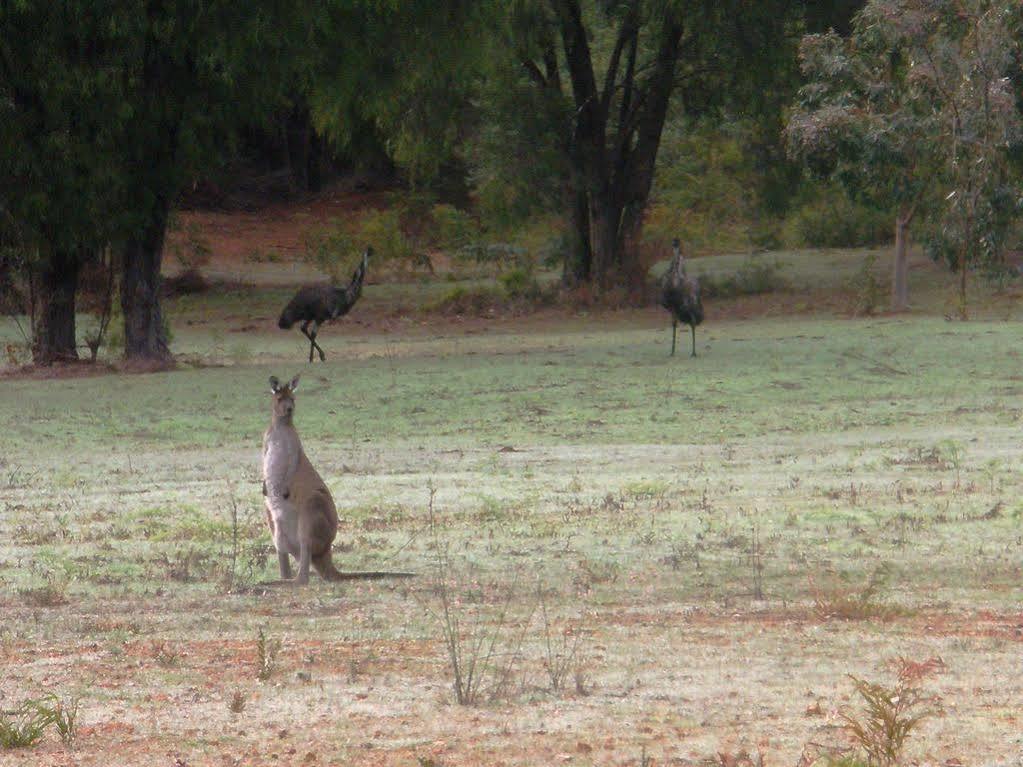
(280, 460)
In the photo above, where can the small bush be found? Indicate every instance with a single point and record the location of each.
(191, 248)
(454, 228)
(832, 220)
(476, 302)
(483, 645)
(266, 655)
(331, 249)
(237, 703)
(520, 282)
(868, 289)
(25, 725)
(187, 283)
(65, 717)
(756, 276)
(890, 714)
(846, 604)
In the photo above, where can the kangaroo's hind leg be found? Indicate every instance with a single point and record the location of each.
(285, 565)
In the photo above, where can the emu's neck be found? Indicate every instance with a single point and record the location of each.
(678, 263)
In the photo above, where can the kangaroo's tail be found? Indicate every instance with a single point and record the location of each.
(324, 565)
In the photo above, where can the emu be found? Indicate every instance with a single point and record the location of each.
(680, 295)
(315, 304)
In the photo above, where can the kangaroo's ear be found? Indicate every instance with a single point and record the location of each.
(293, 385)
(274, 384)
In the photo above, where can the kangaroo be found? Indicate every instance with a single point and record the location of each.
(300, 511)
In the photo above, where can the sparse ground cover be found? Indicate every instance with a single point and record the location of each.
(677, 560)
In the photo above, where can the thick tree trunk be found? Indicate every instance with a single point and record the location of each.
(54, 322)
(579, 257)
(634, 272)
(314, 173)
(900, 277)
(145, 337)
(604, 219)
(298, 134)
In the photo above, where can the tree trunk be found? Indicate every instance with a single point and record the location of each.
(604, 220)
(54, 321)
(900, 278)
(145, 336)
(297, 133)
(314, 172)
(634, 272)
(579, 256)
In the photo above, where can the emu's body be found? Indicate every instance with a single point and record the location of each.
(314, 305)
(680, 295)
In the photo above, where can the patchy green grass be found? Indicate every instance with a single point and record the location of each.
(862, 474)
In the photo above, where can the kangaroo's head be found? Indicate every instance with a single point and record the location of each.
(283, 398)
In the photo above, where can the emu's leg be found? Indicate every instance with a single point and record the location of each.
(312, 339)
(692, 329)
(316, 329)
(674, 327)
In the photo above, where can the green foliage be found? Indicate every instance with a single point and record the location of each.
(918, 108)
(405, 69)
(26, 725)
(520, 282)
(65, 717)
(757, 275)
(455, 228)
(889, 717)
(832, 220)
(868, 289)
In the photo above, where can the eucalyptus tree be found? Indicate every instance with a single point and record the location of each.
(60, 113)
(604, 78)
(193, 71)
(106, 109)
(916, 110)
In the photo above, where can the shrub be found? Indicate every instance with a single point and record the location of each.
(520, 282)
(478, 301)
(25, 725)
(757, 275)
(868, 289)
(832, 220)
(267, 649)
(454, 228)
(890, 714)
(852, 604)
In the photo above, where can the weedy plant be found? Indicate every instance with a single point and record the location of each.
(165, 654)
(237, 703)
(483, 649)
(869, 291)
(561, 651)
(482, 645)
(65, 717)
(846, 604)
(267, 649)
(25, 725)
(51, 594)
(890, 714)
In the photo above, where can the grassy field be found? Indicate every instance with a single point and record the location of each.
(650, 560)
